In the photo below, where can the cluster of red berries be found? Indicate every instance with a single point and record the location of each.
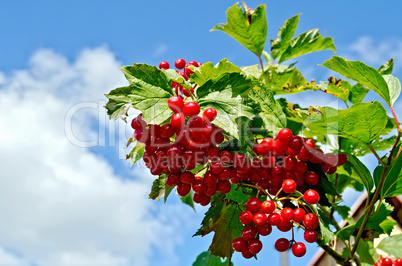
(184, 71)
(259, 217)
(281, 164)
(388, 262)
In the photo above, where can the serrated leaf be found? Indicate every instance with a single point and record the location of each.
(360, 149)
(367, 252)
(392, 245)
(357, 93)
(248, 27)
(362, 121)
(393, 181)
(346, 232)
(227, 95)
(307, 42)
(326, 234)
(376, 219)
(160, 189)
(223, 219)
(363, 174)
(284, 36)
(394, 86)
(285, 80)
(149, 91)
(252, 71)
(206, 259)
(359, 72)
(387, 67)
(341, 209)
(136, 153)
(188, 199)
(388, 225)
(338, 88)
(208, 71)
(274, 119)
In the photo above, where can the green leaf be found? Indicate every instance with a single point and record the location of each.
(326, 234)
(362, 121)
(136, 153)
(394, 86)
(387, 67)
(359, 72)
(393, 181)
(307, 42)
(267, 57)
(363, 174)
(188, 200)
(149, 91)
(374, 223)
(285, 35)
(248, 27)
(346, 232)
(160, 189)
(285, 81)
(360, 149)
(274, 119)
(357, 93)
(227, 94)
(341, 209)
(338, 88)
(388, 225)
(367, 252)
(207, 71)
(206, 259)
(223, 219)
(392, 245)
(251, 71)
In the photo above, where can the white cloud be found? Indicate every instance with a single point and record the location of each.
(374, 52)
(161, 50)
(61, 204)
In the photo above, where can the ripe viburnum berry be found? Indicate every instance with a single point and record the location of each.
(253, 205)
(191, 109)
(282, 244)
(299, 249)
(209, 114)
(311, 221)
(180, 63)
(164, 65)
(289, 186)
(176, 103)
(311, 196)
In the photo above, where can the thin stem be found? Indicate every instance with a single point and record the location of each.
(262, 65)
(376, 154)
(259, 189)
(277, 194)
(304, 228)
(396, 119)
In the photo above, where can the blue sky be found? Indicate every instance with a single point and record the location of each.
(66, 202)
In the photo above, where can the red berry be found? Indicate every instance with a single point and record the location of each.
(249, 232)
(268, 206)
(247, 254)
(210, 178)
(166, 131)
(398, 262)
(180, 63)
(282, 244)
(298, 215)
(172, 180)
(274, 219)
(178, 120)
(296, 143)
(253, 205)
(309, 144)
(311, 178)
(193, 63)
(199, 186)
(289, 186)
(264, 229)
(138, 123)
(255, 246)
(209, 114)
(285, 135)
(191, 109)
(310, 235)
(175, 103)
(260, 218)
(224, 186)
(284, 225)
(386, 262)
(239, 244)
(164, 65)
(304, 155)
(187, 93)
(188, 71)
(299, 249)
(311, 221)
(187, 177)
(183, 189)
(226, 156)
(246, 217)
(342, 159)
(287, 214)
(311, 196)
(378, 263)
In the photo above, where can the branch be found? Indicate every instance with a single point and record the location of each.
(339, 259)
